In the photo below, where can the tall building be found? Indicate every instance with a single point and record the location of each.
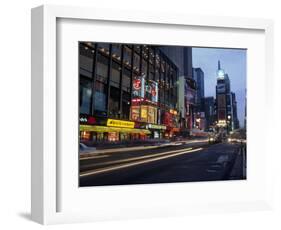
(198, 76)
(199, 113)
(127, 92)
(236, 124)
(182, 57)
(224, 108)
(209, 105)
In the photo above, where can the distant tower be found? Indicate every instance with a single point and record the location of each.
(224, 108)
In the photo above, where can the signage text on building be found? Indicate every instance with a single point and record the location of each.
(120, 123)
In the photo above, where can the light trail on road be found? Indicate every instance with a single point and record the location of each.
(139, 161)
(136, 158)
(97, 153)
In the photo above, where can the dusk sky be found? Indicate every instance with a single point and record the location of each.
(233, 62)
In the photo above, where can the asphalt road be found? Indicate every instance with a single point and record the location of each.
(179, 162)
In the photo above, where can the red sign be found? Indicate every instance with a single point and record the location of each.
(137, 84)
(91, 120)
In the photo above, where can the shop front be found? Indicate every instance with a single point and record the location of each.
(112, 131)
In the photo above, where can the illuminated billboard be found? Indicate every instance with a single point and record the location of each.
(138, 86)
(151, 91)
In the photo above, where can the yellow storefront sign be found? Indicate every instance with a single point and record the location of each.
(103, 129)
(120, 123)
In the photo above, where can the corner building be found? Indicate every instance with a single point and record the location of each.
(127, 92)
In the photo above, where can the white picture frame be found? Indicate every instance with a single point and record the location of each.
(47, 175)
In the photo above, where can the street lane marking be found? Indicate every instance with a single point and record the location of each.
(142, 148)
(137, 158)
(106, 151)
(99, 156)
(109, 169)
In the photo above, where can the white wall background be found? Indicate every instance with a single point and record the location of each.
(15, 113)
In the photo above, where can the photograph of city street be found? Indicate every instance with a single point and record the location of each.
(161, 114)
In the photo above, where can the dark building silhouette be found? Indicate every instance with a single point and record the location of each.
(224, 107)
(209, 108)
(234, 108)
(198, 76)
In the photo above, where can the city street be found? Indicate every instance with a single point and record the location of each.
(183, 161)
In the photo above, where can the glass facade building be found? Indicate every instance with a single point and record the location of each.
(126, 92)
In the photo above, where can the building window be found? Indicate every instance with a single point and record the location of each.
(145, 52)
(151, 56)
(126, 93)
(137, 49)
(157, 59)
(102, 68)
(168, 76)
(116, 52)
(114, 102)
(127, 59)
(157, 66)
(85, 93)
(115, 75)
(101, 85)
(166, 96)
(162, 71)
(103, 48)
(100, 97)
(86, 60)
(144, 67)
(126, 81)
(161, 96)
(136, 63)
(151, 72)
(126, 105)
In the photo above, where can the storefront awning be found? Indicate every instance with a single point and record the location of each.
(102, 129)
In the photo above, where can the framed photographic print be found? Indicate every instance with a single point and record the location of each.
(147, 114)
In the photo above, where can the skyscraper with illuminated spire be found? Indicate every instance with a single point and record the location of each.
(224, 108)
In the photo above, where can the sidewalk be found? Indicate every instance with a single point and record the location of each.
(239, 168)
